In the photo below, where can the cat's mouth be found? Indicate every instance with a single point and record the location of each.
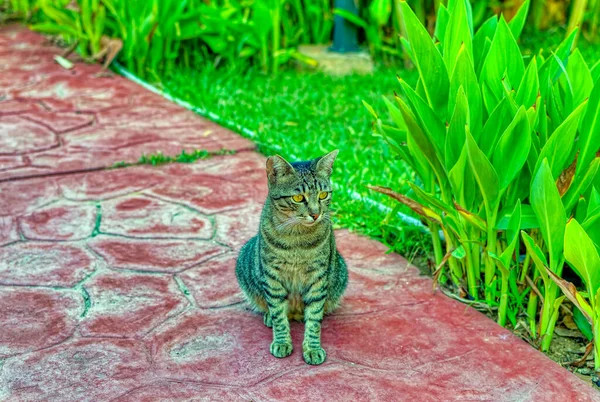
(311, 223)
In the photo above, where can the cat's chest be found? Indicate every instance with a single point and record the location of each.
(293, 270)
(293, 278)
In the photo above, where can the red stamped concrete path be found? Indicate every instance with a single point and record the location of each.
(119, 284)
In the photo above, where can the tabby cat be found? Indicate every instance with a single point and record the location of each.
(292, 269)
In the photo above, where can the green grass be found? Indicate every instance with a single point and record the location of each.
(305, 115)
(161, 159)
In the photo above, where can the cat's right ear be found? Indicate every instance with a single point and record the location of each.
(278, 168)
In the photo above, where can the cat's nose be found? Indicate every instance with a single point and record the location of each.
(315, 216)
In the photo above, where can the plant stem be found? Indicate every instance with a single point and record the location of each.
(532, 306)
(596, 330)
(472, 274)
(550, 311)
(525, 268)
(546, 322)
(503, 297)
(434, 229)
(490, 264)
(456, 272)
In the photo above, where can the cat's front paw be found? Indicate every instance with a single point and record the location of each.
(281, 349)
(267, 320)
(314, 356)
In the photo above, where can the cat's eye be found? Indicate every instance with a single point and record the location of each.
(323, 195)
(298, 198)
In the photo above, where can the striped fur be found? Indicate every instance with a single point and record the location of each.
(292, 269)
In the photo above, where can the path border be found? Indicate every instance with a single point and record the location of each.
(244, 131)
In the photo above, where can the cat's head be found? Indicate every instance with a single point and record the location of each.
(301, 191)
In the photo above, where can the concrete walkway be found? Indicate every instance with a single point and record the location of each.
(119, 284)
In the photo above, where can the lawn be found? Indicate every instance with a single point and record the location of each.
(302, 115)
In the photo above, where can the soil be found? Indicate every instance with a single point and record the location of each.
(568, 348)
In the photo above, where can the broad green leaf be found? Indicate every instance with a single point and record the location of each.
(485, 175)
(536, 254)
(582, 255)
(550, 212)
(580, 184)
(431, 200)
(459, 253)
(580, 77)
(593, 207)
(519, 189)
(475, 220)
(570, 291)
(458, 35)
(462, 180)
(380, 11)
(262, 20)
(503, 60)
(496, 124)
(484, 35)
(554, 104)
(542, 123)
(455, 139)
(407, 48)
(428, 60)
(427, 118)
(517, 23)
(443, 16)
(532, 115)
(528, 218)
(550, 70)
(490, 100)
(512, 149)
(595, 71)
(564, 82)
(371, 110)
(512, 235)
(422, 141)
(529, 86)
(509, 93)
(583, 324)
(514, 224)
(591, 223)
(469, 15)
(395, 114)
(396, 139)
(589, 135)
(558, 148)
(52, 28)
(420, 164)
(580, 210)
(464, 75)
(351, 17)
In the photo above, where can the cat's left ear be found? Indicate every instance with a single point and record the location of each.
(325, 163)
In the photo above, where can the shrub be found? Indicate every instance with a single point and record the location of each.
(499, 148)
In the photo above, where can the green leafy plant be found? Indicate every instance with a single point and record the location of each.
(583, 256)
(83, 22)
(157, 35)
(20, 9)
(489, 138)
